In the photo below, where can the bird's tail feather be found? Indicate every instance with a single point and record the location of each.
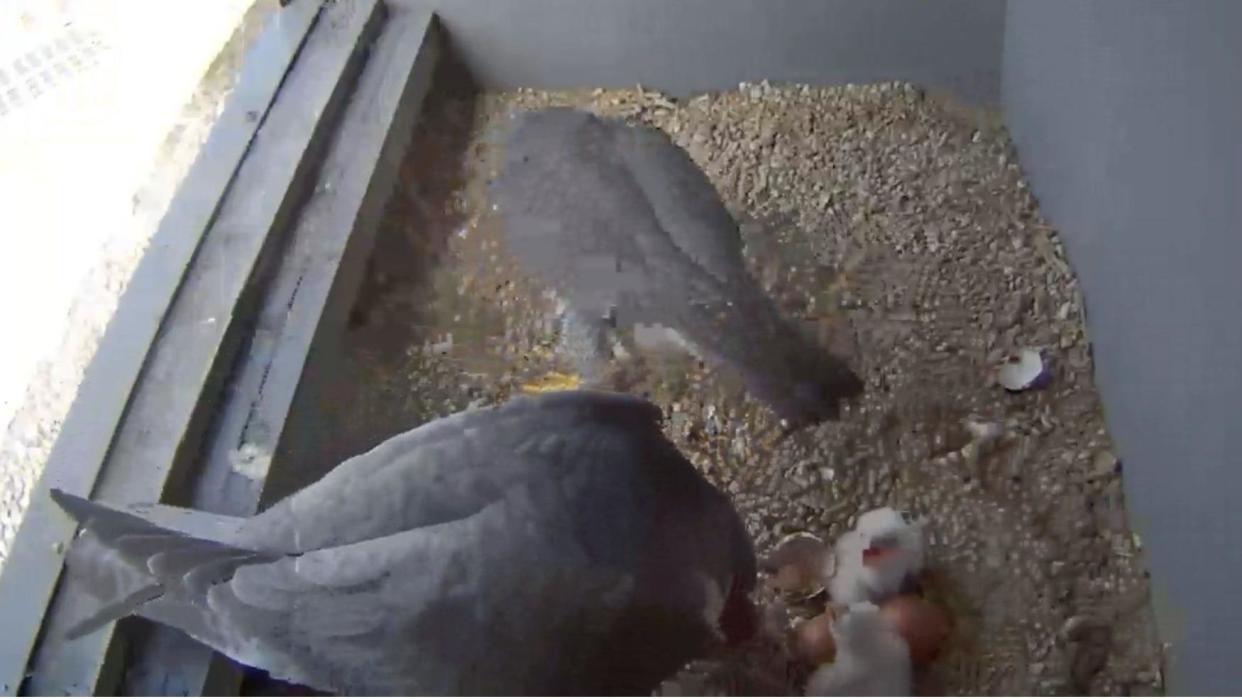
(775, 358)
(111, 612)
(136, 567)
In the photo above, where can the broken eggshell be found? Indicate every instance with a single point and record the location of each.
(799, 563)
(1023, 371)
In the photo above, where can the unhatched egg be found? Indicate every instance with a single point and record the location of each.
(813, 640)
(798, 564)
(924, 625)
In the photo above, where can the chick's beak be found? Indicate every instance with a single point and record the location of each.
(880, 548)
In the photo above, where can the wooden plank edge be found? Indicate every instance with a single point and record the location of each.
(33, 565)
(336, 237)
(323, 76)
(326, 258)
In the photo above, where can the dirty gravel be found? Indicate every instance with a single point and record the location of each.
(896, 226)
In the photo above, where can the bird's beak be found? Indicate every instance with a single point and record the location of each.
(872, 554)
(880, 548)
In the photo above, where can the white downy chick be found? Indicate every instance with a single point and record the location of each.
(872, 658)
(878, 558)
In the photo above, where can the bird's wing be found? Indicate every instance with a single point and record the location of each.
(592, 557)
(470, 605)
(685, 203)
(567, 580)
(447, 470)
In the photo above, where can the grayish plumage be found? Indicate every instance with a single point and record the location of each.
(622, 224)
(555, 544)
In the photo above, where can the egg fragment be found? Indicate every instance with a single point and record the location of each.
(924, 626)
(799, 564)
(1023, 371)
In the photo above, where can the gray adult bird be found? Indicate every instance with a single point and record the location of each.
(556, 544)
(624, 226)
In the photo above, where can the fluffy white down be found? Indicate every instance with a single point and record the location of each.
(853, 582)
(872, 658)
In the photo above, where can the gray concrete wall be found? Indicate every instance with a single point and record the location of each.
(1126, 114)
(683, 46)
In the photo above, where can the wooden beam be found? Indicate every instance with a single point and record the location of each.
(314, 288)
(168, 415)
(34, 563)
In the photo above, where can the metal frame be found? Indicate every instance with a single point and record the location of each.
(259, 256)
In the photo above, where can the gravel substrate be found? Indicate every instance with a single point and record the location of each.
(897, 227)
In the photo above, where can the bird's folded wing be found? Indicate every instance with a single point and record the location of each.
(447, 470)
(684, 201)
(428, 606)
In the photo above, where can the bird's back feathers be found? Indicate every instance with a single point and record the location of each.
(618, 217)
(558, 543)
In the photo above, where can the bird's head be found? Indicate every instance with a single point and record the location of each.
(892, 540)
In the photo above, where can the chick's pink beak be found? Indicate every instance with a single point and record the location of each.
(873, 554)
